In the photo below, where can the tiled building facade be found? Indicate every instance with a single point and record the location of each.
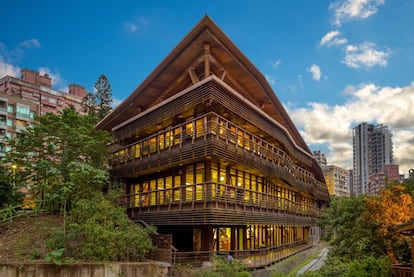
(32, 94)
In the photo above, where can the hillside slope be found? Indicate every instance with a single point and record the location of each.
(23, 239)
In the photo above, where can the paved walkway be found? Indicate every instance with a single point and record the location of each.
(258, 261)
(316, 263)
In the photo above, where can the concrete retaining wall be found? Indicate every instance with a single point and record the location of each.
(150, 269)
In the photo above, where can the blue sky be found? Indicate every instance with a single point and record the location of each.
(333, 64)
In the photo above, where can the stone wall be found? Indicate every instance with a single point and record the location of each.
(150, 269)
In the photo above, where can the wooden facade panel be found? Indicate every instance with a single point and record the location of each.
(215, 216)
(215, 148)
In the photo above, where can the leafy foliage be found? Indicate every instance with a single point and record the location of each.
(103, 95)
(365, 267)
(99, 230)
(353, 230)
(224, 267)
(9, 194)
(51, 154)
(98, 104)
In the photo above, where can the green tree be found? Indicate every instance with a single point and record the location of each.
(9, 193)
(103, 96)
(89, 104)
(50, 153)
(100, 230)
(99, 103)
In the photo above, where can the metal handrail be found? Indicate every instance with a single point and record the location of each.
(11, 212)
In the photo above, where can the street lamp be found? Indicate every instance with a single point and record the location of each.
(14, 167)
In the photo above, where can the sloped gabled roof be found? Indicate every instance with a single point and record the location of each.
(178, 70)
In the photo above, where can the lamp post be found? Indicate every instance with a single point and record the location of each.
(14, 167)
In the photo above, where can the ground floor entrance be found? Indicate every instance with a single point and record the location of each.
(233, 238)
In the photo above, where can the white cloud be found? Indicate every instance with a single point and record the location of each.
(346, 10)
(31, 43)
(270, 79)
(130, 27)
(56, 78)
(316, 72)
(332, 125)
(133, 26)
(8, 69)
(365, 56)
(116, 102)
(331, 38)
(276, 63)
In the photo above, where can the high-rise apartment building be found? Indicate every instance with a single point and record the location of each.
(32, 94)
(388, 175)
(372, 150)
(336, 179)
(320, 157)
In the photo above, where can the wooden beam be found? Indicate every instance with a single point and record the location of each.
(193, 75)
(206, 60)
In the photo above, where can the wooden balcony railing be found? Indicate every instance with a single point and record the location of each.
(254, 258)
(213, 127)
(402, 271)
(212, 194)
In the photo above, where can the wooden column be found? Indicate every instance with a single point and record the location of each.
(206, 60)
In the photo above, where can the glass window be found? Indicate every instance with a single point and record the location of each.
(213, 124)
(240, 138)
(233, 135)
(22, 111)
(161, 191)
(189, 181)
(189, 130)
(214, 179)
(222, 127)
(177, 135)
(145, 147)
(137, 150)
(168, 188)
(153, 144)
(177, 184)
(161, 142)
(200, 127)
(10, 109)
(168, 139)
(152, 189)
(199, 181)
(9, 122)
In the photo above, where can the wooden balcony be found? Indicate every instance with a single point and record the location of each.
(213, 138)
(213, 203)
(402, 271)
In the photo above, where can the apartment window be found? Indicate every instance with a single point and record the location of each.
(10, 109)
(9, 122)
(22, 111)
